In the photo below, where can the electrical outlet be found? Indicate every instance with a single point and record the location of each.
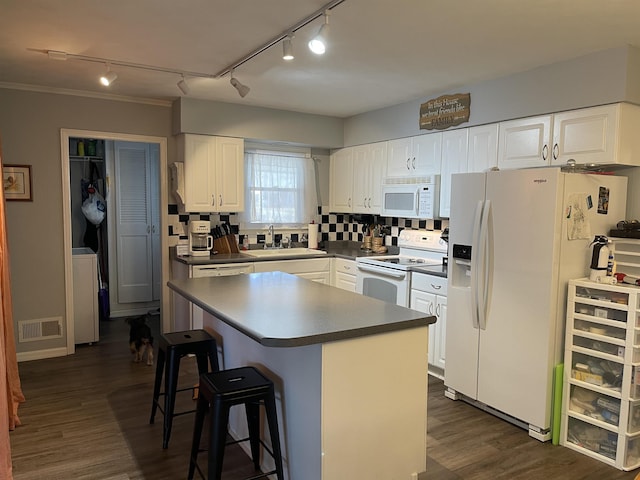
(178, 228)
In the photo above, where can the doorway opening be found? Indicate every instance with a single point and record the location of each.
(128, 172)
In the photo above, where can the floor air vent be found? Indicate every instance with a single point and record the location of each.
(40, 329)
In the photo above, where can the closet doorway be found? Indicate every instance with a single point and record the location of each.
(132, 239)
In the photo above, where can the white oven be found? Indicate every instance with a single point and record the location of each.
(386, 284)
(388, 277)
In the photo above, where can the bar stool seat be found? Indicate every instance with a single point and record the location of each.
(219, 391)
(172, 347)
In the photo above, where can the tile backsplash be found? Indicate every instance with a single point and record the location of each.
(333, 226)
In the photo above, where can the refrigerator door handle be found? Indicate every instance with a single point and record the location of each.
(483, 261)
(475, 245)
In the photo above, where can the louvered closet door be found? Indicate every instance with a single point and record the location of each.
(134, 223)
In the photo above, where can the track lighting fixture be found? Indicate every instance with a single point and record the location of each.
(108, 78)
(242, 89)
(284, 36)
(184, 86)
(318, 44)
(287, 48)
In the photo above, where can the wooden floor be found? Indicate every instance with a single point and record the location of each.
(87, 417)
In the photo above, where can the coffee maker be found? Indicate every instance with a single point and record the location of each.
(200, 242)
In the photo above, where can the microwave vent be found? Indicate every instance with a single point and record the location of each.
(424, 180)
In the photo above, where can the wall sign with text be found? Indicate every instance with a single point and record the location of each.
(445, 111)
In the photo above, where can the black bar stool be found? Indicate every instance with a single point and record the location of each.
(172, 347)
(222, 390)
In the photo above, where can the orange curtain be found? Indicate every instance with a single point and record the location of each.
(10, 390)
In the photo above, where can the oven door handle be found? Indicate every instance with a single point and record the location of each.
(387, 272)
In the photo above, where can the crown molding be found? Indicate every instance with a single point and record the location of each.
(84, 93)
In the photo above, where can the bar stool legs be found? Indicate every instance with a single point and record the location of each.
(218, 393)
(172, 347)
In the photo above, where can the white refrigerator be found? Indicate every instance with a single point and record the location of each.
(515, 238)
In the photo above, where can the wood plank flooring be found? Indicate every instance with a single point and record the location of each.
(87, 417)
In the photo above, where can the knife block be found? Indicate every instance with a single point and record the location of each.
(226, 244)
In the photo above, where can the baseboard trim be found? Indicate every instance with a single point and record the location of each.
(42, 354)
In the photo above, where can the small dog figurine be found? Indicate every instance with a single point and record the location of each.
(140, 339)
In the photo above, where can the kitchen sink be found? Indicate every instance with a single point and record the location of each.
(283, 252)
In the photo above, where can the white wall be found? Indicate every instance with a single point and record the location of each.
(256, 123)
(604, 77)
(30, 124)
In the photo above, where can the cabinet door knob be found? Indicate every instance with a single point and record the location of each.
(408, 164)
(431, 309)
(436, 287)
(413, 163)
(213, 199)
(545, 152)
(438, 311)
(220, 204)
(148, 229)
(555, 151)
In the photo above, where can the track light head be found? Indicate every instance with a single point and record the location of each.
(287, 48)
(184, 86)
(242, 89)
(108, 78)
(318, 44)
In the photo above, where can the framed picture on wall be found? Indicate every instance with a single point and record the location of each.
(16, 182)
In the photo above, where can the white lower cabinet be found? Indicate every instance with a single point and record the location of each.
(344, 274)
(429, 295)
(601, 397)
(315, 269)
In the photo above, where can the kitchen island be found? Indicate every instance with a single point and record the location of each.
(350, 371)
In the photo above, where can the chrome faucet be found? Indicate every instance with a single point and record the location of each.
(270, 240)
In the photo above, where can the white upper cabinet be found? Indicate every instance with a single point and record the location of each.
(341, 180)
(230, 174)
(483, 148)
(525, 143)
(599, 135)
(419, 155)
(213, 173)
(356, 178)
(454, 160)
(369, 168)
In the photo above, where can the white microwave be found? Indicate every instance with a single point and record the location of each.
(411, 197)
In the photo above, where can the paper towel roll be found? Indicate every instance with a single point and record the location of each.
(313, 235)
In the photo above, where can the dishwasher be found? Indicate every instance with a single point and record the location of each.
(221, 270)
(214, 270)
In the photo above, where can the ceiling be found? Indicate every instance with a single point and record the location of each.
(382, 53)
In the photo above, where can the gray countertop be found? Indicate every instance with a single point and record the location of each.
(277, 309)
(343, 249)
